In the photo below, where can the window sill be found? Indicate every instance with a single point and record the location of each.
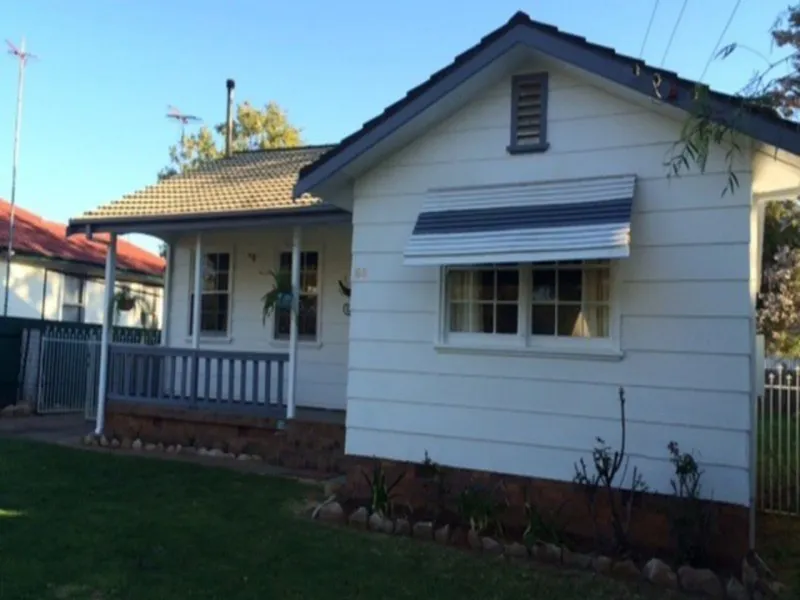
(598, 353)
(212, 339)
(527, 149)
(284, 344)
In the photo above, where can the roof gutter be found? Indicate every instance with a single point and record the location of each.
(153, 224)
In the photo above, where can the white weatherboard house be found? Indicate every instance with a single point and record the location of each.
(516, 252)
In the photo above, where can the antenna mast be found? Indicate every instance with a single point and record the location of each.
(22, 57)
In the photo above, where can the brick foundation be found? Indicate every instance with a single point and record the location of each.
(650, 529)
(298, 445)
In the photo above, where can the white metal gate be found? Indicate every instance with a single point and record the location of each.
(778, 440)
(68, 373)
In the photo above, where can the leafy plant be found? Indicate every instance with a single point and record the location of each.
(542, 524)
(435, 483)
(481, 508)
(125, 301)
(608, 474)
(279, 296)
(382, 495)
(691, 518)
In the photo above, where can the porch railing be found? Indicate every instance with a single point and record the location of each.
(252, 382)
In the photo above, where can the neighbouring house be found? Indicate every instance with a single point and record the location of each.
(479, 268)
(61, 278)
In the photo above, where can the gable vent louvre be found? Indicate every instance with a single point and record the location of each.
(529, 113)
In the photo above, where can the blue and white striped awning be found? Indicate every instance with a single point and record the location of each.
(532, 222)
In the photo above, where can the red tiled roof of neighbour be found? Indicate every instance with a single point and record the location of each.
(36, 236)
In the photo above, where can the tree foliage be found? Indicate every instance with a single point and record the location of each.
(253, 129)
(766, 92)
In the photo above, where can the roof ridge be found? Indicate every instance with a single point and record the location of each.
(282, 148)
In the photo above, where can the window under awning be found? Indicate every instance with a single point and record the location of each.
(533, 222)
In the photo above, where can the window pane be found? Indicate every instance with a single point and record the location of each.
(596, 321)
(508, 285)
(543, 320)
(221, 284)
(282, 322)
(507, 318)
(569, 284)
(223, 262)
(308, 282)
(569, 320)
(486, 312)
(71, 313)
(544, 285)
(484, 281)
(460, 318)
(72, 290)
(307, 321)
(597, 285)
(310, 261)
(458, 285)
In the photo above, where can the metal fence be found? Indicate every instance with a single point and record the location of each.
(53, 366)
(778, 439)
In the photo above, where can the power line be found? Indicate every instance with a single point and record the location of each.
(674, 30)
(649, 26)
(719, 41)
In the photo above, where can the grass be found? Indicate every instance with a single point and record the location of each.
(81, 525)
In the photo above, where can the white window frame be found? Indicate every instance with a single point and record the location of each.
(212, 335)
(81, 304)
(303, 341)
(607, 348)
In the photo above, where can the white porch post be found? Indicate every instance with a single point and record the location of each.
(292, 387)
(166, 296)
(198, 290)
(108, 324)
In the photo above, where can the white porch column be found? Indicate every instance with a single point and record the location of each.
(292, 387)
(166, 296)
(198, 290)
(108, 324)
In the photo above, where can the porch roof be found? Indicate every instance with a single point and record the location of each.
(245, 185)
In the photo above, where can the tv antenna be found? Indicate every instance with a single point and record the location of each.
(184, 119)
(22, 57)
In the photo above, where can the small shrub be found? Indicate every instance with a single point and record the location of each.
(483, 508)
(434, 483)
(691, 518)
(382, 495)
(543, 525)
(608, 473)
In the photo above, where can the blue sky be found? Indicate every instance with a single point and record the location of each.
(94, 126)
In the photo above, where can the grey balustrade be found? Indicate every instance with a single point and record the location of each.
(251, 382)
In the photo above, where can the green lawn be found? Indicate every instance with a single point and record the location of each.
(76, 524)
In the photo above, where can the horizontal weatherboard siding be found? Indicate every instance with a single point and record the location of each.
(683, 299)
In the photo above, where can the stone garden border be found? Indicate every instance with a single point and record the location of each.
(757, 581)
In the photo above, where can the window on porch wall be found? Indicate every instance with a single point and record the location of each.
(215, 298)
(307, 321)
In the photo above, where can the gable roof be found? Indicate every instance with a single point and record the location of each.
(633, 73)
(35, 236)
(260, 180)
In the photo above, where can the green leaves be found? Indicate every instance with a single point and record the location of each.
(281, 290)
(253, 129)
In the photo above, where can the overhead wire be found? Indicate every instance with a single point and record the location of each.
(672, 35)
(649, 27)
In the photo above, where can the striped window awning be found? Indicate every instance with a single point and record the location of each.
(533, 222)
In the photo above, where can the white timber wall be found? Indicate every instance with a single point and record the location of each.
(36, 292)
(322, 365)
(685, 307)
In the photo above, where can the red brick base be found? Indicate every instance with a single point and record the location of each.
(650, 531)
(298, 445)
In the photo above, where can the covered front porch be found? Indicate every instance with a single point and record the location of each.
(229, 227)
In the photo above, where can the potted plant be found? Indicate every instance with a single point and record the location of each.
(280, 296)
(124, 300)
